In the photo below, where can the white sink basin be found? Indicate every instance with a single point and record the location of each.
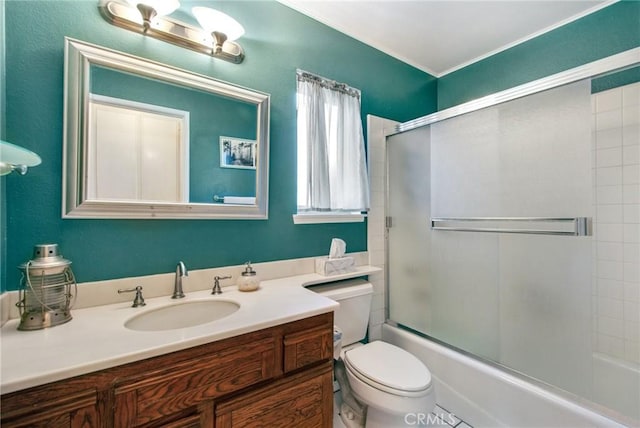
(181, 315)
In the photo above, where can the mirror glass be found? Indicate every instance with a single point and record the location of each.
(146, 140)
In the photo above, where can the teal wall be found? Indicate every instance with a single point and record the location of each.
(277, 41)
(3, 205)
(606, 32)
(614, 80)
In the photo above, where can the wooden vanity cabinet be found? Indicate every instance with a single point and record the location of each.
(178, 387)
(279, 376)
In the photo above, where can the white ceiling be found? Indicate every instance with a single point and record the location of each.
(441, 36)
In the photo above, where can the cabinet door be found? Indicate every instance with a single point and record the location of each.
(180, 387)
(304, 399)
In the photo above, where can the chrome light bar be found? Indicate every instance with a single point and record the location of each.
(169, 30)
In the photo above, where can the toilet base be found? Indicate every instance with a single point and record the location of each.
(350, 418)
(379, 419)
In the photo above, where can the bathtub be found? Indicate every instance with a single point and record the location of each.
(485, 396)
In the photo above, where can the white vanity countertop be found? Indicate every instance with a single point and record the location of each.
(96, 338)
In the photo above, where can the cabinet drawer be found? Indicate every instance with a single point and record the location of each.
(188, 383)
(307, 347)
(39, 409)
(302, 400)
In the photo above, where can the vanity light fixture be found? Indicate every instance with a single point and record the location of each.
(148, 17)
(16, 158)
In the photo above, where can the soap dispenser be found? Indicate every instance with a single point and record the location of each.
(249, 280)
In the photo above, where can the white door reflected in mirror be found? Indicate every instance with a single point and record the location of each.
(137, 152)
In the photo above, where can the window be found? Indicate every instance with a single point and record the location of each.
(332, 171)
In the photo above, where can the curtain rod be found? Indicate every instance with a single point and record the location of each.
(307, 76)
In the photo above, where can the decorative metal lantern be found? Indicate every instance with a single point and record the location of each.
(45, 289)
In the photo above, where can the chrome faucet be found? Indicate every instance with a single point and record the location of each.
(138, 300)
(181, 272)
(216, 284)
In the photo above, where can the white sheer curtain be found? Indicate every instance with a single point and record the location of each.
(332, 171)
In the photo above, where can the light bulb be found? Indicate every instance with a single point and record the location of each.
(212, 21)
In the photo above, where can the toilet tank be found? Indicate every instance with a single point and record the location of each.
(352, 317)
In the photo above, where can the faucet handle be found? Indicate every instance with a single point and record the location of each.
(138, 300)
(216, 284)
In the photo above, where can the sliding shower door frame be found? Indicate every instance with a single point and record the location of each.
(626, 59)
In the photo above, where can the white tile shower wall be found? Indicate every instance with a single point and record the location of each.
(617, 222)
(376, 228)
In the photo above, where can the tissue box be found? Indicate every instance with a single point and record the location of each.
(328, 266)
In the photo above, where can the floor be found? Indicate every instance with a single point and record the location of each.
(439, 418)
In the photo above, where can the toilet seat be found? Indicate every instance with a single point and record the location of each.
(389, 368)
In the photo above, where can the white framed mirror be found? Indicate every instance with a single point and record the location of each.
(147, 140)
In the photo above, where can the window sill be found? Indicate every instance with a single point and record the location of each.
(317, 218)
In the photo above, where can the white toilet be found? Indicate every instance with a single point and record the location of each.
(393, 384)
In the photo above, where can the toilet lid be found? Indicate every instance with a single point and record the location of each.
(390, 366)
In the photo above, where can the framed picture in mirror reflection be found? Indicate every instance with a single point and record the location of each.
(237, 153)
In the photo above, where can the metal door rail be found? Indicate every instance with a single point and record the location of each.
(566, 226)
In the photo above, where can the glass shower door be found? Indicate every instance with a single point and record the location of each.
(521, 300)
(419, 298)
